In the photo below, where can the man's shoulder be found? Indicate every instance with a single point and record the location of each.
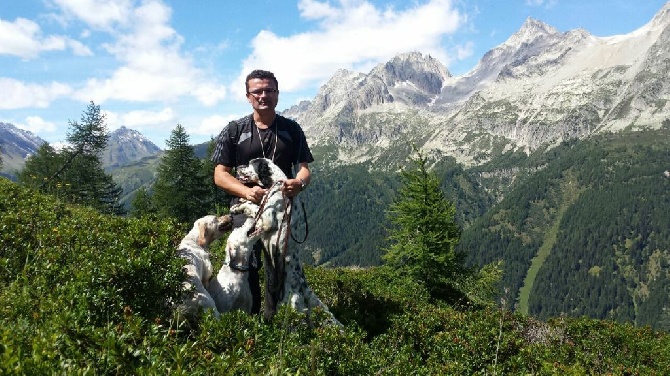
(244, 120)
(283, 120)
(239, 125)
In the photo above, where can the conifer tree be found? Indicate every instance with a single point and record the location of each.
(179, 191)
(423, 233)
(41, 165)
(142, 204)
(79, 177)
(87, 139)
(216, 198)
(90, 136)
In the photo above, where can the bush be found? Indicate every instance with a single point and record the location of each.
(85, 293)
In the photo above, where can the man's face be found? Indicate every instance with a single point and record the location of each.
(263, 94)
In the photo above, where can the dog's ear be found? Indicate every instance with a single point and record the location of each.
(264, 173)
(202, 234)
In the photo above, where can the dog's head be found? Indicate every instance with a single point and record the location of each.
(211, 227)
(261, 171)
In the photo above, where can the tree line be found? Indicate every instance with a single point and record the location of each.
(183, 189)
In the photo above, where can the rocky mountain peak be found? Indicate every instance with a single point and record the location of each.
(530, 31)
(126, 146)
(412, 79)
(128, 134)
(22, 140)
(539, 87)
(662, 18)
(423, 72)
(15, 146)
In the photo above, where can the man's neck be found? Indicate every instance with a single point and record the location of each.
(264, 119)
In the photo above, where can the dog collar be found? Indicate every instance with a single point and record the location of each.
(239, 268)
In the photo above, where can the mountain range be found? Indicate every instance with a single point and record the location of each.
(15, 145)
(540, 87)
(555, 150)
(125, 146)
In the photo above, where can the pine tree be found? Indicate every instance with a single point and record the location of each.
(424, 234)
(179, 191)
(76, 172)
(39, 167)
(90, 136)
(216, 199)
(87, 138)
(142, 204)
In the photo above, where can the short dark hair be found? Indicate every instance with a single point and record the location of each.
(263, 75)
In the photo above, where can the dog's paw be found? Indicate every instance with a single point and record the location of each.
(247, 208)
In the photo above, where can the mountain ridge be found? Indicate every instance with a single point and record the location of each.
(536, 89)
(125, 146)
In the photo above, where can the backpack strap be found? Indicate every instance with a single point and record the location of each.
(234, 133)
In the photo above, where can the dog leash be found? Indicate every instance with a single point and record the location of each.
(281, 263)
(264, 201)
(304, 213)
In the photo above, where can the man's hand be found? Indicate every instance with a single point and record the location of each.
(255, 194)
(292, 187)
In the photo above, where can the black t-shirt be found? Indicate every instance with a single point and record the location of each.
(283, 142)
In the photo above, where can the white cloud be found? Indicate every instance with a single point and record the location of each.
(37, 125)
(100, 14)
(15, 94)
(209, 95)
(153, 66)
(465, 51)
(212, 125)
(315, 10)
(112, 119)
(352, 34)
(140, 119)
(79, 48)
(538, 3)
(23, 38)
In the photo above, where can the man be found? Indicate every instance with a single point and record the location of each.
(263, 134)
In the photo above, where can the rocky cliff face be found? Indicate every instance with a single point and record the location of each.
(538, 88)
(126, 146)
(18, 141)
(15, 145)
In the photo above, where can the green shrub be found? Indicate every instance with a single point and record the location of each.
(85, 293)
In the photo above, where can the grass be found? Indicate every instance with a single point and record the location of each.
(571, 193)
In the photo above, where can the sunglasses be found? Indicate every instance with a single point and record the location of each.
(259, 92)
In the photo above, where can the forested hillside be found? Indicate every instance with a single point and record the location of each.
(346, 209)
(584, 226)
(598, 214)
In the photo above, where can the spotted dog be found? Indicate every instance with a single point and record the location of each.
(230, 289)
(194, 248)
(283, 271)
(297, 293)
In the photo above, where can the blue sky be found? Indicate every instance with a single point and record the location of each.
(153, 64)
